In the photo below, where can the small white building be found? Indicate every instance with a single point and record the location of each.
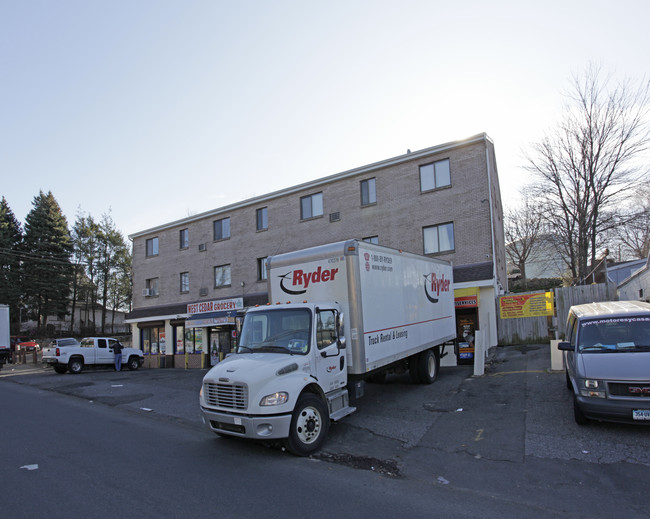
(637, 286)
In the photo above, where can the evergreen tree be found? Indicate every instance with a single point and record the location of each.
(11, 237)
(48, 271)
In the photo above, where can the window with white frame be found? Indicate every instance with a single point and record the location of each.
(438, 238)
(368, 192)
(152, 286)
(261, 269)
(262, 219)
(184, 238)
(222, 229)
(152, 247)
(311, 206)
(185, 282)
(222, 276)
(435, 175)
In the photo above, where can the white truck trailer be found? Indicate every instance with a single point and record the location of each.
(339, 313)
(5, 335)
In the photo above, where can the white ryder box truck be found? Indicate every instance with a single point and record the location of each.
(339, 313)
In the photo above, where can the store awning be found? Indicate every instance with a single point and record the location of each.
(206, 320)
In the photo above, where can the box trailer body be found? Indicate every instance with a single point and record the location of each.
(338, 313)
(395, 304)
(5, 335)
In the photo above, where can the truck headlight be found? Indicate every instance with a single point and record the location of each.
(275, 399)
(593, 388)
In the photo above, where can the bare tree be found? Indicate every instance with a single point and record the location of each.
(633, 233)
(587, 167)
(522, 228)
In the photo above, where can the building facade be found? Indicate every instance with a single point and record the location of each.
(193, 278)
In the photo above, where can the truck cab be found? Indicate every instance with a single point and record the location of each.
(287, 379)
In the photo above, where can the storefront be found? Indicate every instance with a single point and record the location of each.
(466, 302)
(199, 336)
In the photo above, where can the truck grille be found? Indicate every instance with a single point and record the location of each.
(231, 396)
(630, 390)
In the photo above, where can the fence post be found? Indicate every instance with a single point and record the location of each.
(479, 353)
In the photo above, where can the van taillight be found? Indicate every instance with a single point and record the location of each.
(58, 352)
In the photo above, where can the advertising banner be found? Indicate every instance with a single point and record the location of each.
(526, 305)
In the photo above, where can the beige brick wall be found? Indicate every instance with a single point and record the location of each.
(397, 219)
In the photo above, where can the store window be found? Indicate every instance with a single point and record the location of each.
(262, 219)
(222, 276)
(435, 175)
(311, 206)
(153, 340)
(194, 340)
(368, 193)
(152, 247)
(179, 339)
(222, 229)
(438, 238)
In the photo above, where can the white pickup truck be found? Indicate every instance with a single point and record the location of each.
(93, 351)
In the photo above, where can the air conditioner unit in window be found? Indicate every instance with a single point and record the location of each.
(146, 292)
(203, 291)
(201, 247)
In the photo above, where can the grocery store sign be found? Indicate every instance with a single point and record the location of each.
(220, 305)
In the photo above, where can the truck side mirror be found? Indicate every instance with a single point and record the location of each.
(565, 346)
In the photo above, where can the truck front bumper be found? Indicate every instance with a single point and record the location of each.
(246, 426)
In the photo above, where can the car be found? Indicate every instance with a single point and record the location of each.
(607, 360)
(29, 345)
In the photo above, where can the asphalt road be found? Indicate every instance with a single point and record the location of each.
(504, 443)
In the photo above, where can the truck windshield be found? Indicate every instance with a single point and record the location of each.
(615, 335)
(277, 331)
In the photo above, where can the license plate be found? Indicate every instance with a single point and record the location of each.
(641, 414)
(466, 355)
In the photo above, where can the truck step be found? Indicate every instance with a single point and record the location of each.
(336, 416)
(338, 403)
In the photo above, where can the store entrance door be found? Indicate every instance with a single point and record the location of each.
(466, 326)
(219, 343)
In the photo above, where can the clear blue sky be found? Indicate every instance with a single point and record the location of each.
(159, 109)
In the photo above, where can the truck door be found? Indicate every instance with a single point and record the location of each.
(103, 352)
(330, 358)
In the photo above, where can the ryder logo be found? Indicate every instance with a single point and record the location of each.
(434, 285)
(299, 280)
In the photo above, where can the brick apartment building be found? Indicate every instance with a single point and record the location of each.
(192, 278)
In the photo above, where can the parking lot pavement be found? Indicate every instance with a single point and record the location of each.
(519, 409)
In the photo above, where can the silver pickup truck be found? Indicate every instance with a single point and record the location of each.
(92, 351)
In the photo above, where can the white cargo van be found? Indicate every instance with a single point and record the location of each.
(340, 312)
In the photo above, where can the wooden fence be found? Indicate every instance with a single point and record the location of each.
(542, 329)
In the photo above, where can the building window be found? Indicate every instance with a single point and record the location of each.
(193, 340)
(222, 229)
(368, 193)
(371, 239)
(438, 238)
(261, 269)
(311, 206)
(433, 176)
(152, 286)
(152, 247)
(184, 238)
(152, 340)
(262, 217)
(185, 282)
(222, 276)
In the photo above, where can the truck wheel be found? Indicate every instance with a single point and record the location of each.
(426, 366)
(75, 366)
(309, 425)
(60, 369)
(134, 363)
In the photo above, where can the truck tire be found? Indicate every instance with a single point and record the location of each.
(309, 425)
(134, 363)
(424, 366)
(75, 366)
(60, 369)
